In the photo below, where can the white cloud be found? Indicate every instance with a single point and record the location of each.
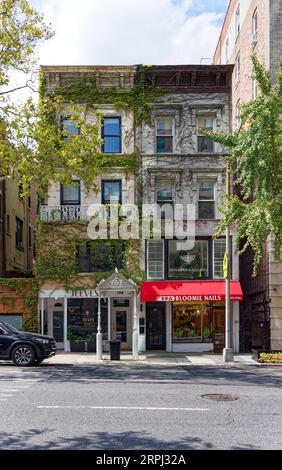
(127, 32)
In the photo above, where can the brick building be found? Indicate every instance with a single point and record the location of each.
(254, 27)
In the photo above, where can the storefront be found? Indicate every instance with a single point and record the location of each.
(77, 315)
(189, 316)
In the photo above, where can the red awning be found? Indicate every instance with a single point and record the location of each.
(189, 291)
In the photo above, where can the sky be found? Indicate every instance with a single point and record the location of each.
(130, 31)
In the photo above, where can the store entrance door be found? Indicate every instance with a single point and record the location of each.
(122, 322)
(58, 328)
(218, 328)
(155, 326)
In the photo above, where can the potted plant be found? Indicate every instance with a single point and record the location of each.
(91, 342)
(77, 343)
(207, 334)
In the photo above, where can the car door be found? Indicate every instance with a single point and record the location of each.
(6, 339)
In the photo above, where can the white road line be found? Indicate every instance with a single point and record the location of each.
(149, 408)
(2, 395)
(3, 399)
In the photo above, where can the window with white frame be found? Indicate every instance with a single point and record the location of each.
(255, 89)
(237, 21)
(238, 115)
(206, 200)
(255, 25)
(163, 190)
(164, 134)
(238, 67)
(207, 123)
(155, 259)
(219, 247)
(227, 51)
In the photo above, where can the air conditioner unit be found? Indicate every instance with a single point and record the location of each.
(254, 39)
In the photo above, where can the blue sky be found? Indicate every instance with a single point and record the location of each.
(131, 31)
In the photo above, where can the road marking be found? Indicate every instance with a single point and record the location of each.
(149, 408)
(2, 395)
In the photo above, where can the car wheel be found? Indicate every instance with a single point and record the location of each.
(23, 355)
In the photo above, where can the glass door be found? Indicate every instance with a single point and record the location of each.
(58, 328)
(218, 327)
(122, 322)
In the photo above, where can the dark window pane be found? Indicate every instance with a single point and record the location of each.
(206, 190)
(111, 144)
(188, 264)
(205, 144)
(111, 126)
(83, 318)
(111, 192)
(19, 233)
(70, 193)
(164, 144)
(206, 210)
(69, 128)
(99, 257)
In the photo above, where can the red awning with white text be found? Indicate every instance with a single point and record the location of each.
(189, 291)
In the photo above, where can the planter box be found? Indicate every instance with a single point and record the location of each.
(77, 346)
(257, 352)
(90, 347)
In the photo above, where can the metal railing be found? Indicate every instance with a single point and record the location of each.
(63, 213)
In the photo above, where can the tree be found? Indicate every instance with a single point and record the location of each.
(33, 147)
(256, 157)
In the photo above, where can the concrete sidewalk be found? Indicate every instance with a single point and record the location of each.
(151, 358)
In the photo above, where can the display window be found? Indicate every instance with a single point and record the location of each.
(191, 322)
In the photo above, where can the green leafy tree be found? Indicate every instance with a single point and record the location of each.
(256, 158)
(33, 147)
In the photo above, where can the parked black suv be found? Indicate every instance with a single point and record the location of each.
(25, 349)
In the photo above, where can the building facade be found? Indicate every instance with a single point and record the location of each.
(150, 293)
(254, 27)
(17, 224)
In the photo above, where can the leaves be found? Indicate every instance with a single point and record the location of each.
(257, 158)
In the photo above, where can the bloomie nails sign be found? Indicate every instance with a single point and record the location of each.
(193, 298)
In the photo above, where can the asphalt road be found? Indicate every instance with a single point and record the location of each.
(140, 407)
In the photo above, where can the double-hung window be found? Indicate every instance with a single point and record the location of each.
(238, 67)
(205, 144)
(70, 193)
(219, 247)
(19, 234)
(69, 128)
(164, 190)
(111, 135)
(164, 135)
(111, 192)
(206, 201)
(155, 259)
(237, 21)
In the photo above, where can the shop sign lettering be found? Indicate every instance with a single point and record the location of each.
(190, 298)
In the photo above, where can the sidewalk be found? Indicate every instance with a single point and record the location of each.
(151, 358)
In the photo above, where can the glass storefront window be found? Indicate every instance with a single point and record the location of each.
(192, 322)
(187, 264)
(83, 317)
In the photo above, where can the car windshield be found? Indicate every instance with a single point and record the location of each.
(7, 327)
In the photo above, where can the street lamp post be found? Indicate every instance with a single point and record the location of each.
(227, 351)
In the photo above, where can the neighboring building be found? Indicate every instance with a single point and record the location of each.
(254, 27)
(17, 220)
(181, 304)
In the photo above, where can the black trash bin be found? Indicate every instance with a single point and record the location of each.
(115, 349)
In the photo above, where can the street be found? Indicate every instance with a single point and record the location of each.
(140, 407)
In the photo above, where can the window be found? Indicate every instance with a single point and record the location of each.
(205, 144)
(187, 264)
(15, 320)
(69, 128)
(227, 51)
(254, 89)
(192, 322)
(237, 21)
(238, 115)
(82, 318)
(111, 134)
(255, 25)
(8, 227)
(111, 192)
(99, 257)
(70, 193)
(155, 259)
(238, 67)
(219, 247)
(163, 190)
(164, 135)
(29, 237)
(206, 202)
(19, 234)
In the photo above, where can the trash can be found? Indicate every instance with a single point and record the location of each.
(115, 349)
